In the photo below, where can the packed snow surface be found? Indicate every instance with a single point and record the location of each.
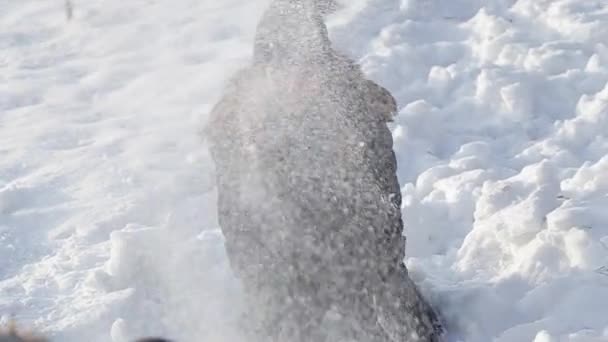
(107, 200)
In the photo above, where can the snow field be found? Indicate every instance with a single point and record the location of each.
(502, 147)
(104, 181)
(107, 208)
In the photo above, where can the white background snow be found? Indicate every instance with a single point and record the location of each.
(107, 202)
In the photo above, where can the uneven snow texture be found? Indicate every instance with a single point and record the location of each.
(107, 202)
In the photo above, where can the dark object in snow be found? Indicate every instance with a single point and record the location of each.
(19, 337)
(16, 336)
(308, 197)
(13, 334)
(69, 9)
(326, 7)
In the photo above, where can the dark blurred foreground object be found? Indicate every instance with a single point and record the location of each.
(69, 9)
(308, 197)
(13, 334)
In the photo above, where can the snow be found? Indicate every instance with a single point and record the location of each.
(107, 201)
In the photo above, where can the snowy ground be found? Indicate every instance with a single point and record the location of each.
(107, 206)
